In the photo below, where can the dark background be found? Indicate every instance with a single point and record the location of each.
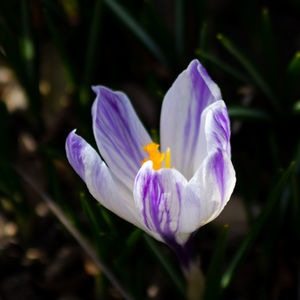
(53, 51)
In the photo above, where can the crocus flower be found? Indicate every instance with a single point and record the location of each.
(168, 193)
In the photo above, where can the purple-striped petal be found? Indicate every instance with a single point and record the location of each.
(182, 108)
(119, 134)
(214, 132)
(208, 191)
(101, 184)
(74, 148)
(158, 197)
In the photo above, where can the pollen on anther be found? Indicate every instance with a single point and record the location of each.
(154, 155)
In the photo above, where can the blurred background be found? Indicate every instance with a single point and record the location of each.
(52, 51)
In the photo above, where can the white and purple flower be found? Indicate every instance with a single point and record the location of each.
(168, 194)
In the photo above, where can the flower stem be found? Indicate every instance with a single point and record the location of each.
(195, 281)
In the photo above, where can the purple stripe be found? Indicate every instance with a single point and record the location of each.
(218, 165)
(179, 195)
(112, 120)
(201, 96)
(222, 132)
(144, 196)
(156, 203)
(159, 199)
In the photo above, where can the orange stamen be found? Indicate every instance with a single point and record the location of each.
(156, 157)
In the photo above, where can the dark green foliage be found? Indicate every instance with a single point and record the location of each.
(251, 51)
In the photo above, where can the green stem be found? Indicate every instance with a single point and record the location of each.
(195, 281)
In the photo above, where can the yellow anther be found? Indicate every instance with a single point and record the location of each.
(151, 148)
(156, 157)
(168, 158)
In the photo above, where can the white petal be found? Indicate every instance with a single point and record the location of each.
(99, 180)
(158, 197)
(182, 108)
(214, 132)
(208, 191)
(119, 134)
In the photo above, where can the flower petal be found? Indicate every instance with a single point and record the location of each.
(99, 180)
(214, 132)
(208, 191)
(158, 198)
(119, 134)
(183, 105)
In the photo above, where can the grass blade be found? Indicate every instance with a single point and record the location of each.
(249, 67)
(293, 69)
(91, 52)
(179, 26)
(222, 66)
(19, 49)
(28, 56)
(27, 47)
(139, 32)
(214, 273)
(292, 79)
(203, 36)
(165, 264)
(247, 113)
(269, 46)
(75, 233)
(249, 240)
(92, 217)
(65, 57)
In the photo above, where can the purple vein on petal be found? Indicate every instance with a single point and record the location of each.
(203, 92)
(160, 199)
(218, 165)
(119, 126)
(179, 195)
(119, 133)
(222, 120)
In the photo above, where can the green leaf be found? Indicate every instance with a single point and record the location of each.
(247, 113)
(269, 46)
(90, 213)
(19, 50)
(296, 192)
(250, 68)
(165, 264)
(62, 50)
(222, 66)
(296, 107)
(13, 198)
(256, 228)
(28, 55)
(91, 52)
(293, 69)
(179, 26)
(27, 48)
(136, 29)
(292, 79)
(93, 220)
(203, 37)
(76, 235)
(133, 238)
(214, 273)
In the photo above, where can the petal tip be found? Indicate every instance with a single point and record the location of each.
(74, 146)
(99, 89)
(95, 88)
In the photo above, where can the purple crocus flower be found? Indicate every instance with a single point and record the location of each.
(168, 194)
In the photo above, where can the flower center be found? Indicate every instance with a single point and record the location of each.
(156, 157)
